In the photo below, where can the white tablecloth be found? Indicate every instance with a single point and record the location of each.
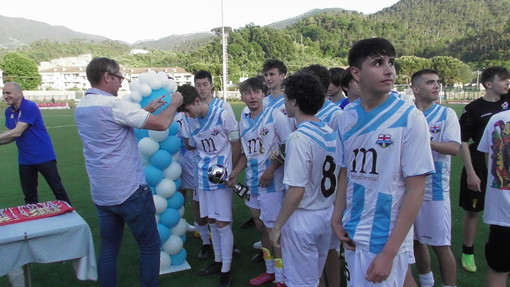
(58, 238)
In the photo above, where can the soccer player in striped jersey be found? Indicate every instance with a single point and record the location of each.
(383, 149)
(214, 133)
(433, 222)
(302, 227)
(262, 130)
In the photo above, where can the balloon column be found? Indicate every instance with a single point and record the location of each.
(160, 153)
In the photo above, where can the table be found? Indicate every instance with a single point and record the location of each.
(58, 238)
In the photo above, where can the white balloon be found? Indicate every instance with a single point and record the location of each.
(157, 218)
(181, 211)
(145, 160)
(164, 261)
(173, 245)
(158, 136)
(160, 203)
(148, 146)
(176, 156)
(170, 85)
(180, 228)
(134, 86)
(173, 171)
(143, 78)
(155, 83)
(166, 188)
(163, 77)
(145, 90)
(135, 96)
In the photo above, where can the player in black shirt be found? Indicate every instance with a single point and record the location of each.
(474, 174)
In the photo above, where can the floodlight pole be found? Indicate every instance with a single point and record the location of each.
(224, 46)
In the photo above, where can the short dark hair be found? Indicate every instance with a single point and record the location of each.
(98, 66)
(189, 94)
(321, 73)
(368, 48)
(417, 75)
(489, 74)
(306, 90)
(334, 76)
(254, 83)
(203, 74)
(273, 63)
(345, 79)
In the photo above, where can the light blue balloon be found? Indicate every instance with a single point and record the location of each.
(178, 183)
(170, 217)
(153, 96)
(173, 129)
(176, 200)
(179, 258)
(153, 189)
(161, 159)
(153, 175)
(164, 233)
(141, 133)
(171, 144)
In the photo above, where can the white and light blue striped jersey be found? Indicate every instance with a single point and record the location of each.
(260, 137)
(309, 163)
(443, 127)
(211, 138)
(379, 149)
(279, 104)
(216, 102)
(328, 113)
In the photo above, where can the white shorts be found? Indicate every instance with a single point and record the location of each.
(305, 242)
(358, 261)
(269, 205)
(188, 171)
(216, 204)
(433, 223)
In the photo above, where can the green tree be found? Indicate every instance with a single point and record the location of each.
(452, 70)
(408, 65)
(20, 69)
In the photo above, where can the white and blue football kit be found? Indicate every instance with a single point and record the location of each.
(328, 113)
(379, 149)
(306, 236)
(433, 222)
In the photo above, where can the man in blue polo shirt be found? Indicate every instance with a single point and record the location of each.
(35, 150)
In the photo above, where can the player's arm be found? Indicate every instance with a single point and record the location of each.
(236, 149)
(381, 266)
(11, 135)
(338, 211)
(473, 181)
(291, 201)
(238, 168)
(451, 148)
(165, 118)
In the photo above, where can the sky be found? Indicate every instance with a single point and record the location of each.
(132, 21)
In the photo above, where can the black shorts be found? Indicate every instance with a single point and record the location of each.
(497, 249)
(471, 200)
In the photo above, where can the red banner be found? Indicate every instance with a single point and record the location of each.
(33, 211)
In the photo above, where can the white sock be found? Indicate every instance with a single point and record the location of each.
(278, 268)
(426, 280)
(227, 245)
(215, 236)
(204, 233)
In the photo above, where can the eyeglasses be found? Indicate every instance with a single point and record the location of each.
(121, 78)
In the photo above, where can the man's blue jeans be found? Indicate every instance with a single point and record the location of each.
(138, 212)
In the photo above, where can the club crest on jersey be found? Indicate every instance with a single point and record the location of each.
(264, 131)
(384, 140)
(504, 106)
(283, 111)
(435, 129)
(215, 132)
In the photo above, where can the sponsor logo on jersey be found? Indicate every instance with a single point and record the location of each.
(384, 140)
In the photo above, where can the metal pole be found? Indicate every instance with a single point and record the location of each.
(224, 45)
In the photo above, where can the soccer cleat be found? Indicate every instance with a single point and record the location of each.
(262, 279)
(205, 252)
(213, 268)
(257, 245)
(225, 279)
(468, 262)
